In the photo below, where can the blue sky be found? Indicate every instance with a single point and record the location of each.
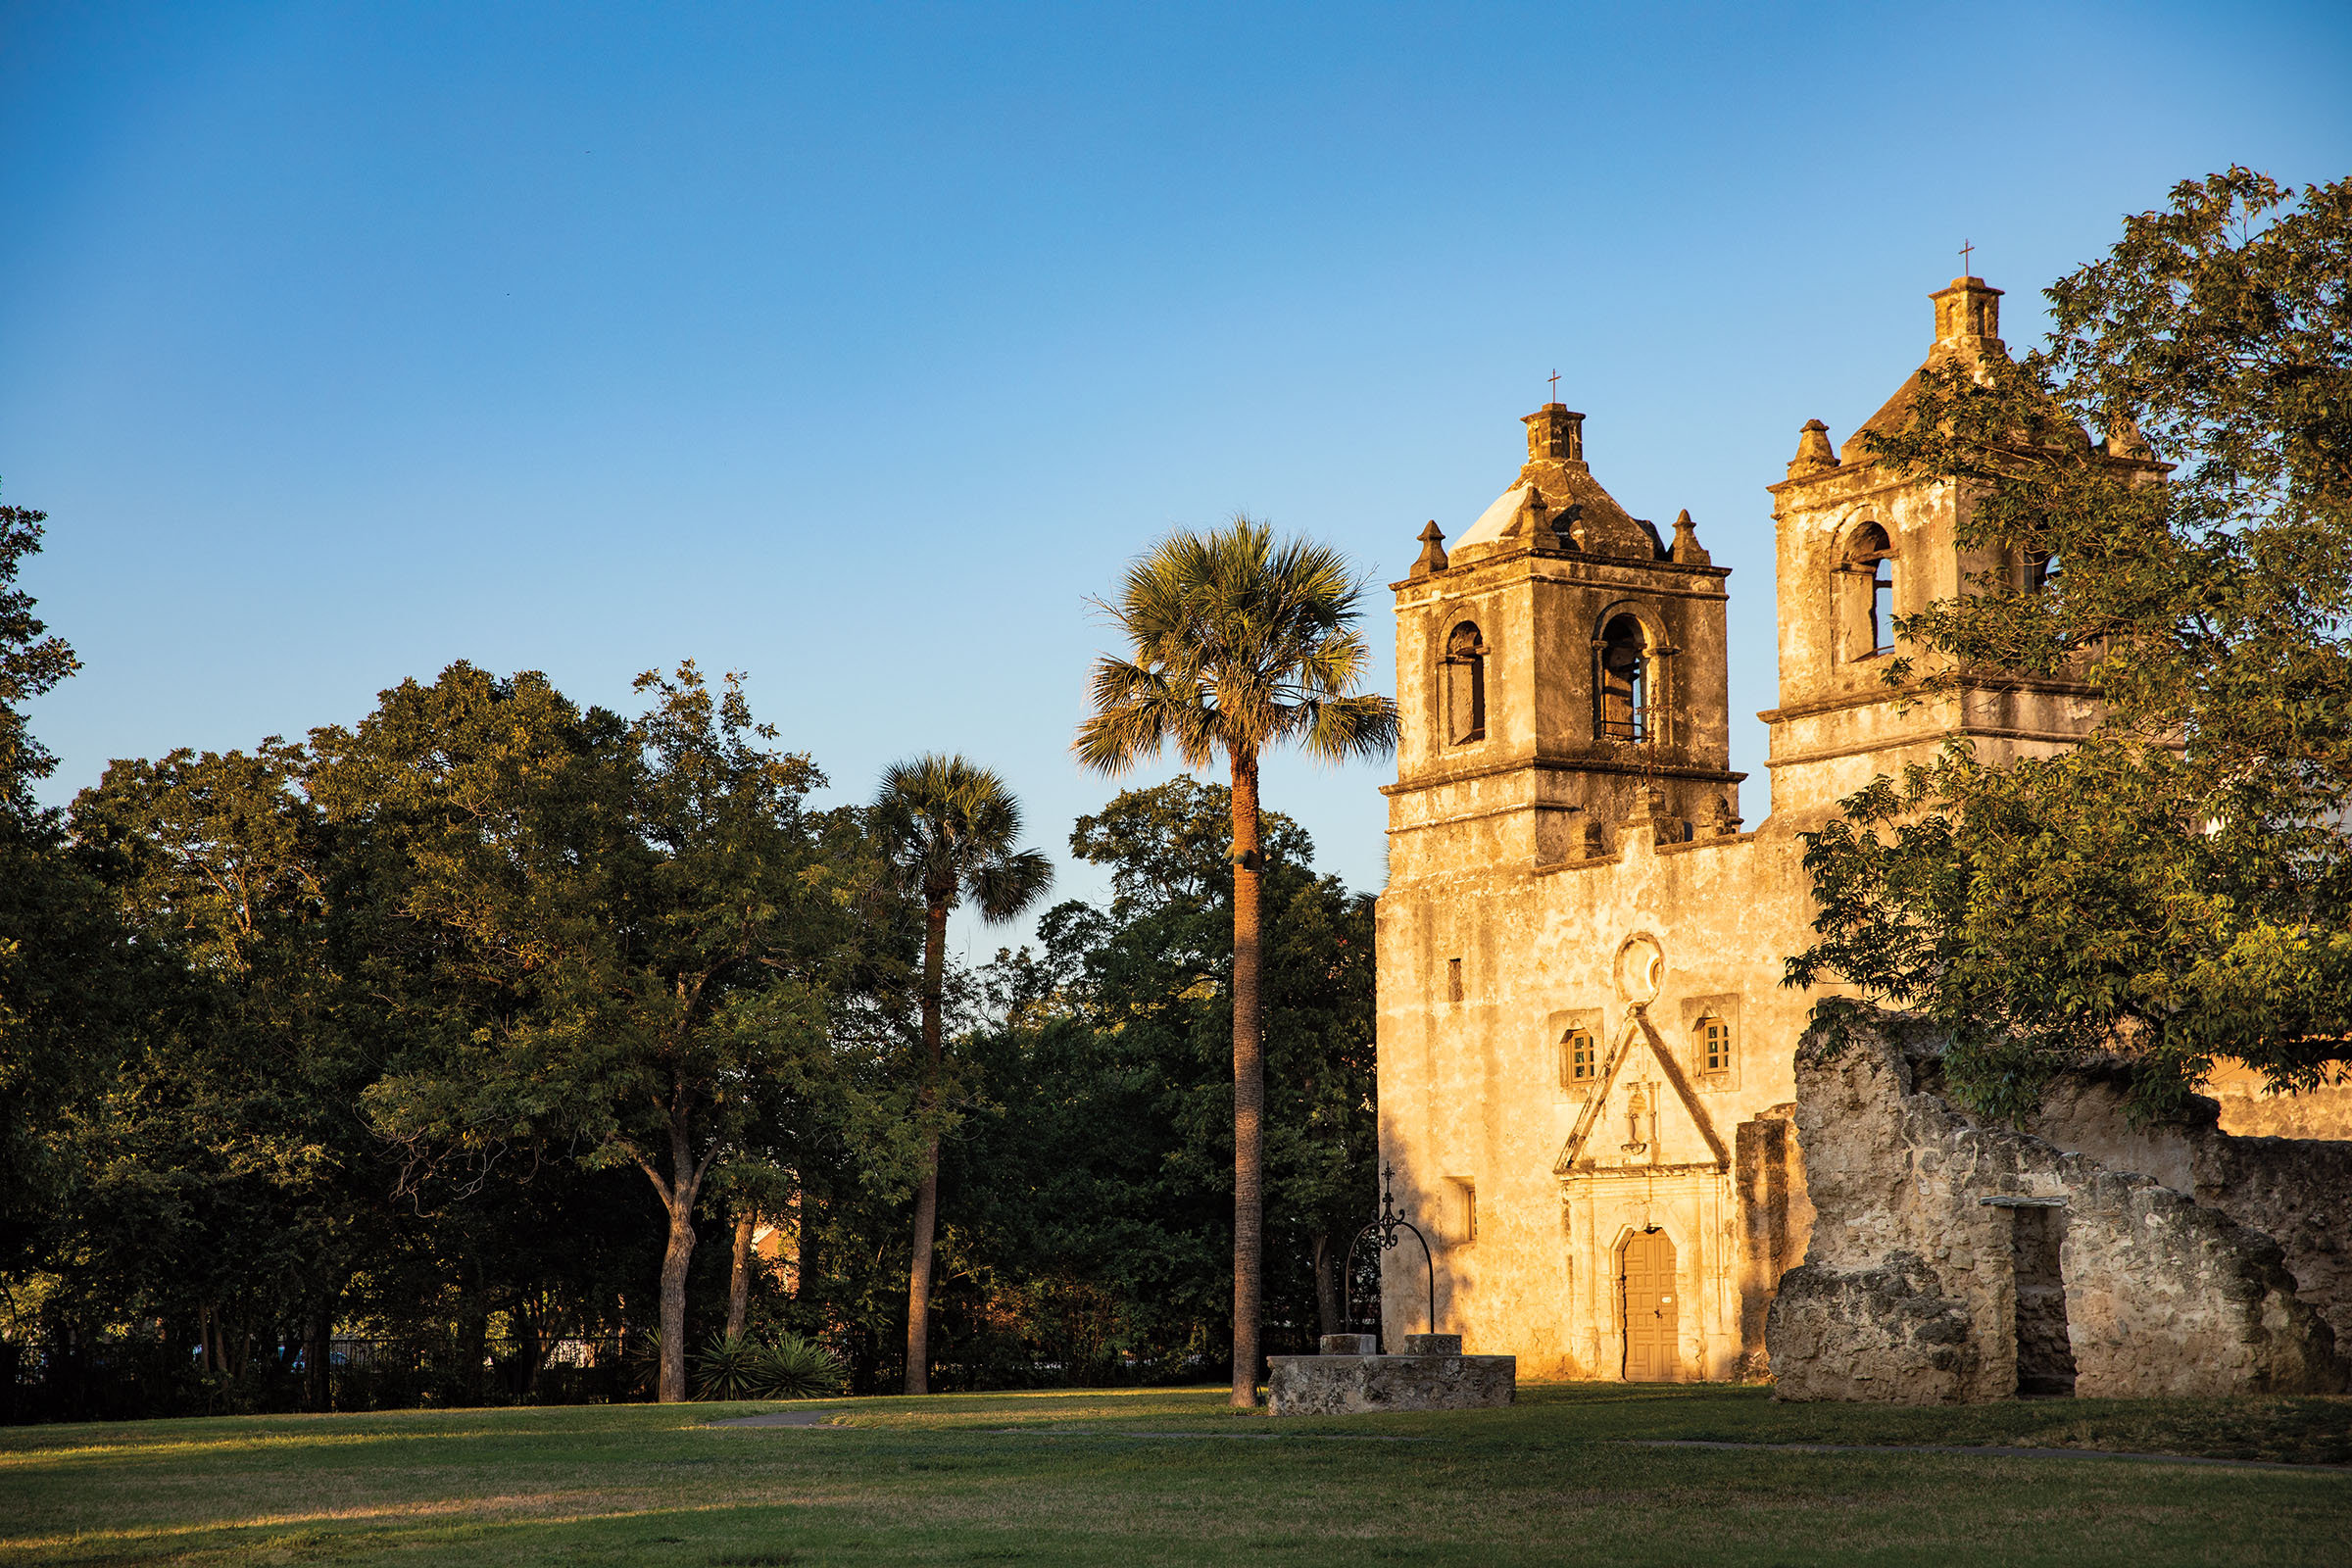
(853, 347)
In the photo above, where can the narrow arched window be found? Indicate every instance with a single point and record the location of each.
(1624, 695)
(1870, 557)
(1465, 685)
(2042, 571)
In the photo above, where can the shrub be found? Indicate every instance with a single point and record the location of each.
(729, 1368)
(795, 1368)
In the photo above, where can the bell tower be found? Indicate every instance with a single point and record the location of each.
(1560, 673)
(1859, 544)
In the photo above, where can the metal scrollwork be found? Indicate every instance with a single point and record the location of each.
(1387, 1226)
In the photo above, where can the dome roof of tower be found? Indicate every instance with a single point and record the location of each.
(1585, 516)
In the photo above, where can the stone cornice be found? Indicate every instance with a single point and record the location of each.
(1965, 684)
(1463, 578)
(1933, 737)
(1563, 762)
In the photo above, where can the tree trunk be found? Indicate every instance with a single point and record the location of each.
(1248, 1087)
(1327, 1286)
(474, 1343)
(926, 1197)
(739, 1279)
(677, 1197)
(318, 1330)
(676, 1256)
(805, 1230)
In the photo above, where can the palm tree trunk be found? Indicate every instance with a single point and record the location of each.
(739, 1276)
(926, 1197)
(1248, 1087)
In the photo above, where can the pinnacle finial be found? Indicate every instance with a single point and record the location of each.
(1688, 550)
(1534, 522)
(1813, 451)
(2123, 440)
(1433, 551)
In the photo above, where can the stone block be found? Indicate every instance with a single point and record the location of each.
(1350, 1345)
(1353, 1385)
(1433, 1344)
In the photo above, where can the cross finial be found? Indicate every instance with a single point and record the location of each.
(1555, 386)
(1965, 250)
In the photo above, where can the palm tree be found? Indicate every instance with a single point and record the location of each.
(949, 829)
(1239, 642)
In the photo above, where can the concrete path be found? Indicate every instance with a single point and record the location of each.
(782, 1418)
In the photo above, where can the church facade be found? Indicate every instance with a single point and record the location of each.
(1587, 1057)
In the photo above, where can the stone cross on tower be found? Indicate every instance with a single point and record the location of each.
(1965, 250)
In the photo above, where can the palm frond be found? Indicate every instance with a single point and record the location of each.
(1004, 886)
(941, 818)
(1236, 641)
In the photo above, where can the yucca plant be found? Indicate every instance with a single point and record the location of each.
(795, 1368)
(644, 1350)
(728, 1367)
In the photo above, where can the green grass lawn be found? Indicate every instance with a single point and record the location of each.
(1136, 1477)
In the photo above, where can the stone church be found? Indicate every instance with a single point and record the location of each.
(1586, 1054)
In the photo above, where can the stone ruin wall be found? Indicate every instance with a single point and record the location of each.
(2295, 1191)
(2074, 1277)
(2248, 1109)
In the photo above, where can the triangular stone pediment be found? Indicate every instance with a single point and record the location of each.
(1642, 1113)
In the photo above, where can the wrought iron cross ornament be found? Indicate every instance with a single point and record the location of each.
(1387, 1226)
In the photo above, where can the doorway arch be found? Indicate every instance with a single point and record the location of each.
(1651, 1312)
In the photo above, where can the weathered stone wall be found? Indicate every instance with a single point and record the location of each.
(2295, 1191)
(2249, 1110)
(1356, 1385)
(1929, 1226)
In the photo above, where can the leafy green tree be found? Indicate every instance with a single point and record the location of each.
(32, 662)
(949, 829)
(1092, 1182)
(72, 987)
(230, 1178)
(631, 930)
(1237, 643)
(2177, 887)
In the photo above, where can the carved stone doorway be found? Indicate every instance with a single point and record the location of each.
(1646, 1273)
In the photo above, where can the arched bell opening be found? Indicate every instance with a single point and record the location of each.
(1623, 689)
(1867, 587)
(1465, 681)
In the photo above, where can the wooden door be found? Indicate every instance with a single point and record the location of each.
(1646, 1274)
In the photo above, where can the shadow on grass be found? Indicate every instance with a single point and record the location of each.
(1123, 1476)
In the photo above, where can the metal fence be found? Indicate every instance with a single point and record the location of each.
(127, 1378)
